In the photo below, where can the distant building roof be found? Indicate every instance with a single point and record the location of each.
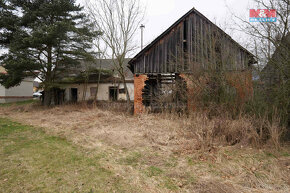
(106, 67)
(104, 64)
(278, 65)
(108, 64)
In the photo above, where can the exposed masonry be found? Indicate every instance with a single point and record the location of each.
(240, 81)
(157, 92)
(190, 93)
(139, 84)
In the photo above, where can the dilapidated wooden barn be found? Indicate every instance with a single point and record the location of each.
(191, 44)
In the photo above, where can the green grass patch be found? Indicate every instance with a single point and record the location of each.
(132, 159)
(18, 103)
(153, 171)
(269, 154)
(191, 179)
(285, 154)
(169, 184)
(32, 161)
(171, 162)
(192, 162)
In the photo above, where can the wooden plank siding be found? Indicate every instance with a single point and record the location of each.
(191, 43)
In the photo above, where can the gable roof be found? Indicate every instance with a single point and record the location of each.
(193, 10)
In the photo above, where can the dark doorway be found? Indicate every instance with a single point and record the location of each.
(74, 94)
(113, 93)
(58, 96)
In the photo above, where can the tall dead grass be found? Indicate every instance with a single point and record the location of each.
(200, 130)
(242, 130)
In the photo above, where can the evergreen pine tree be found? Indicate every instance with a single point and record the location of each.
(43, 38)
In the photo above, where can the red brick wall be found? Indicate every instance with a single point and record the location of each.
(241, 81)
(191, 105)
(139, 83)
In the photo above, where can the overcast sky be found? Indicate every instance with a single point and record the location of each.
(161, 14)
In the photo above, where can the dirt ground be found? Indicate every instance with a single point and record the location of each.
(158, 152)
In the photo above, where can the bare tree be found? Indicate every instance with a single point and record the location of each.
(265, 37)
(101, 55)
(118, 20)
(270, 41)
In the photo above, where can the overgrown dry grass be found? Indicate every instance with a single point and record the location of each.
(32, 161)
(164, 152)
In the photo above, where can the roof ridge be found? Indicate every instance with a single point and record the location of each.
(175, 24)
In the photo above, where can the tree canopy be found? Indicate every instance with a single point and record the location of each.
(43, 38)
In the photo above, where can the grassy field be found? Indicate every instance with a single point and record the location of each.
(75, 148)
(19, 103)
(32, 161)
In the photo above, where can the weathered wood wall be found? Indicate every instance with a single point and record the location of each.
(191, 43)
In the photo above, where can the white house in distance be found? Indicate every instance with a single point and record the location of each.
(22, 92)
(110, 88)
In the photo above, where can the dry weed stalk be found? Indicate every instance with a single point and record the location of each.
(226, 130)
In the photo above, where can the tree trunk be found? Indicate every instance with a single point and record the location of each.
(48, 91)
(85, 88)
(98, 83)
(126, 90)
(47, 97)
